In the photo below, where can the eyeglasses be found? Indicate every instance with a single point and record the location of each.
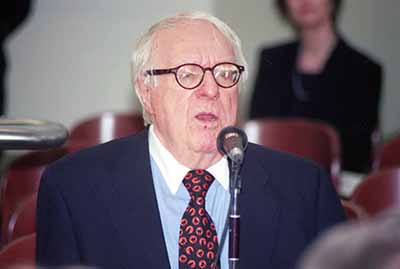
(190, 76)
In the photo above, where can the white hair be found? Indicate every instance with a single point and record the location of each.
(142, 53)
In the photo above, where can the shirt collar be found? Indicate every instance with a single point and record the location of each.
(174, 172)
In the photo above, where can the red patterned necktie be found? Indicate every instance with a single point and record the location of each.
(198, 241)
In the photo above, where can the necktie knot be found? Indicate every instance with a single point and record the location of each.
(197, 182)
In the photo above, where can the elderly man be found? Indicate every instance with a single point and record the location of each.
(159, 199)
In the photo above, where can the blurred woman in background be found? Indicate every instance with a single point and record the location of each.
(320, 76)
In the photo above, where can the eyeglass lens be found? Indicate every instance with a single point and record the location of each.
(190, 75)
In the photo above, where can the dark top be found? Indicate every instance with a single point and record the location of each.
(345, 94)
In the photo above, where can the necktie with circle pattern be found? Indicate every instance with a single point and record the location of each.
(198, 241)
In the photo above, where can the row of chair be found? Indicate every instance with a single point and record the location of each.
(313, 140)
(318, 141)
(310, 139)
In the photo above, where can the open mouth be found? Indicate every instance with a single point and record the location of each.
(206, 117)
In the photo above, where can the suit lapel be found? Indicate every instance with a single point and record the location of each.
(130, 199)
(260, 211)
(133, 208)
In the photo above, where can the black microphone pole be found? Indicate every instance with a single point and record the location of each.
(234, 216)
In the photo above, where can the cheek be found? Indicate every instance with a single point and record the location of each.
(169, 97)
(174, 106)
(229, 104)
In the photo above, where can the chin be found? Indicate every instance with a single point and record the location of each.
(209, 146)
(204, 139)
(310, 22)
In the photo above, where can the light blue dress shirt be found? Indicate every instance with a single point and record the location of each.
(172, 206)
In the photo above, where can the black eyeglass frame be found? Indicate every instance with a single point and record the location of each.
(174, 70)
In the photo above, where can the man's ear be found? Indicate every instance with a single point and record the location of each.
(143, 89)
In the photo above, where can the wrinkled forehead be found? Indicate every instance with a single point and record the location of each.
(195, 41)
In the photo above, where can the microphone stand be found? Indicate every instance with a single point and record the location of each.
(234, 216)
(232, 142)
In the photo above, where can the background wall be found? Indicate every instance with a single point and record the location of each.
(71, 58)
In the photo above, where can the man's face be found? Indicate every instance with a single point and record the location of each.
(188, 121)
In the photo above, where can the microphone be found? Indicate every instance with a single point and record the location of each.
(232, 141)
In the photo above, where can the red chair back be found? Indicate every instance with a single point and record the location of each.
(19, 252)
(353, 211)
(389, 154)
(23, 220)
(105, 127)
(378, 191)
(22, 179)
(309, 139)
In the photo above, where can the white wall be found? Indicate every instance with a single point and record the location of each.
(369, 24)
(71, 59)
(373, 25)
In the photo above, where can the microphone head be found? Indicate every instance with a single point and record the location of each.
(232, 141)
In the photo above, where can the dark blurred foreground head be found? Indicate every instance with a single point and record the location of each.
(371, 244)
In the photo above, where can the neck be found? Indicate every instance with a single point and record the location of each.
(188, 157)
(319, 40)
(315, 49)
(200, 160)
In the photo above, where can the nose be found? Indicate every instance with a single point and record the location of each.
(208, 88)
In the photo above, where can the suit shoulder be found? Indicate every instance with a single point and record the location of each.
(279, 49)
(277, 57)
(360, 58)
(294, 178)
(279, 160)
(97, 158)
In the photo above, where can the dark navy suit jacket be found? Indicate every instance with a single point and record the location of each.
(98, 207)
